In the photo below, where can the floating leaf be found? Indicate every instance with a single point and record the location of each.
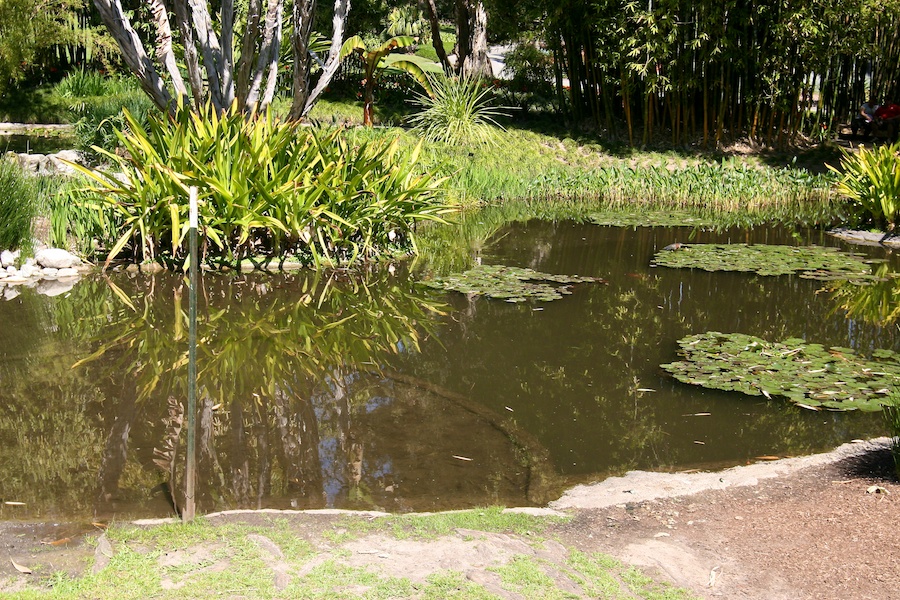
(840, 379)
(810, 262)
(512, 284)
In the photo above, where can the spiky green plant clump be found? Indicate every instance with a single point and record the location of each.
(459, 111)
(871, 181)
(266, 188)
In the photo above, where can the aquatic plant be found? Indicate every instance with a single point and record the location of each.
(653, 218)
(266, 188)
(808, 375)
(458, 111)
(870, 179)
(809, 262)
(512, 284)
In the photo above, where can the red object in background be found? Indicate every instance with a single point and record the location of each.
(888, 111)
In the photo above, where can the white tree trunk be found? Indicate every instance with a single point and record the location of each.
(477, 62)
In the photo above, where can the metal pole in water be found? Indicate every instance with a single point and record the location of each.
(190, 471)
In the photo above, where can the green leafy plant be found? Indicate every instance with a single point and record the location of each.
(892, 419)
(871, 180)
(18, 203)
(460, 110)
(266, 189)
(380, 59)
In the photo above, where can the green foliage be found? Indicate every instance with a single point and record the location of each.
(892, 420)
(808, 375)
(19, 196)
(459, 111)
(877, 302)
(72, 224)
(871, 181)
(809, 262)
(95, 104)
(266, 188)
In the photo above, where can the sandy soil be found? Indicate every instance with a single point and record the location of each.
(823, 527)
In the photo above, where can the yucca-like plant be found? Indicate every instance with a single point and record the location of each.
(266, 188)
(460, 110)
(871, 179)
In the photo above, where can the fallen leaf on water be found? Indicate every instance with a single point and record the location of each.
(461, 457)
(699, 442)
(876, 489)
(59, 542)
(697, 415)
(14, 503)
(808, 407)
(20, 568)
(768, 457)
(100, 525)
(646, 390)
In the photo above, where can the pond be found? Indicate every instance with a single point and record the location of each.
(379, 393)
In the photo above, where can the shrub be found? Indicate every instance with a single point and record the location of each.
(18, 201)
(460, 111)
(871, 180)
(892, 419)
(266, 189)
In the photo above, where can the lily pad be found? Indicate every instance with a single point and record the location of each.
(810, 262)
(805, 374)
(513, 284)
(648, 219)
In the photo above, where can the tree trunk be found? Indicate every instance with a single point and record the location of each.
(477, 62)
(436, 40)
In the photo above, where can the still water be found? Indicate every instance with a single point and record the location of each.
(375, 392)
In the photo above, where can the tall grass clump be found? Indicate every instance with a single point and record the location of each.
(268, 189)
(18, 205)
(95, 102)
(459, 111)
(892, 419)
(870, 179)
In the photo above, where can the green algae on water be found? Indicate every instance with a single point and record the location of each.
(810, 262)
(513, 284)
(809, 375)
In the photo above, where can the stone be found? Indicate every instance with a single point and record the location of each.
(67, 272)
(8, 259)
(27, 270)
(10, 293)
(11, 270)
(49, 272)
(57, 258)
(70, 156)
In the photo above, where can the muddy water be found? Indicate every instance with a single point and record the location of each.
(374, 393)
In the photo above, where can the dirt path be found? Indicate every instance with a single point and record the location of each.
(823, 527)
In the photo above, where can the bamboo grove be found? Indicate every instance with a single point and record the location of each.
(715, 70)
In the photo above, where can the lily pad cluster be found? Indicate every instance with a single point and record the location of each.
(658, 218)
(809, 375)
(513, 284)
(810, 262)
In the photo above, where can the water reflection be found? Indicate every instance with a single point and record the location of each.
(367, 392)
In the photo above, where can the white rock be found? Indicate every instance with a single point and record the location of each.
(57, 258)
(11, 270)
(10, 293)
(3, 273)
(30, 261)
(27, 271)
(67, 272)
(49, 272)
(7, 258)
